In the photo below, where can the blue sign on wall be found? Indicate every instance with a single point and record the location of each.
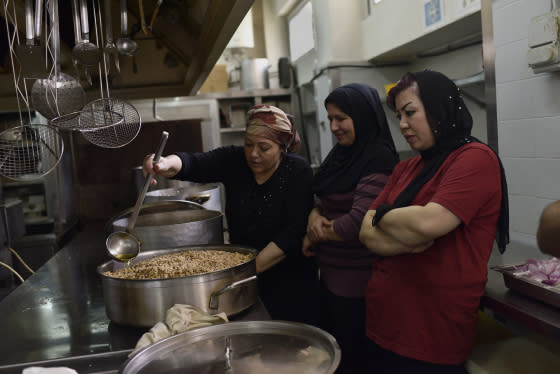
(432, 12)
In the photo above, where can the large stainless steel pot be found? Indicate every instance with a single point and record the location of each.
(175, 228)
(208, 195)
(278, 347)
(144, 302)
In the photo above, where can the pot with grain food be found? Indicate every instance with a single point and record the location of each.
(214, 278)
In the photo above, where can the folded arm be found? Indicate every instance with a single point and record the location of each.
(380, 242)
(410, 229)
(416, 224)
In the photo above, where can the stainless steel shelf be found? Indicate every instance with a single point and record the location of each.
(477, 78)
(232, 129)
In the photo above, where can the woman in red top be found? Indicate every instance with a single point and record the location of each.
(433, 226)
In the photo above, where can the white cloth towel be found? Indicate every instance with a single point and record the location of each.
(178, 318)
(53, 370)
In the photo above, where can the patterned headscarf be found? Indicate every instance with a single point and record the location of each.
(272, 123)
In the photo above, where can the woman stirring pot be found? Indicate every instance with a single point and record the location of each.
(268, 198)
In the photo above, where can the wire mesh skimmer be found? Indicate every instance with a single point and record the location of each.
(109, 122)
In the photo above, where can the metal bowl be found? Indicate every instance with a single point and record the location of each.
(241, 347)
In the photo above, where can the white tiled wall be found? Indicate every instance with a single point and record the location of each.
(528, 107)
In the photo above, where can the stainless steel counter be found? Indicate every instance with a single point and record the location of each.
(59, 314)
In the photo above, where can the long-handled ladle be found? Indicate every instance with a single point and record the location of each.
(123, 245)
(125, 45)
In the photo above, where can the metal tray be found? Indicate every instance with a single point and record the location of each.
(529, 287)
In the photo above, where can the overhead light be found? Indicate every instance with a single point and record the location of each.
(376, 1)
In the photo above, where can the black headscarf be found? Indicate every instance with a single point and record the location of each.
(451, 124)
(373, 150)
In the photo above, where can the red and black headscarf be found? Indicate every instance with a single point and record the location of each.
(451, 124)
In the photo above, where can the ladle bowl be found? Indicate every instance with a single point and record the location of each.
(86, 53)
(123, 246)
(126, 46)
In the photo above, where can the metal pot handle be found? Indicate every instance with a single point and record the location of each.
(215, 296)
(199, 199)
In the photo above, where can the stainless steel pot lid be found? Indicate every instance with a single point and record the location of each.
(183, 191)
(169, 218)
(154, 207)
(241, 347)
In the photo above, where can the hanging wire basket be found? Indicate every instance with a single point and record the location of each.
(109, 122)
(86, 122)
(68, 121)
(30, 151)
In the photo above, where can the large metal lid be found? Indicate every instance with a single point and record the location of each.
(184, 191)
(207, 194)
(154, 207)
(169, 218)
(241, 347)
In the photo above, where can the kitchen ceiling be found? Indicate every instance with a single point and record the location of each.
(175, 56)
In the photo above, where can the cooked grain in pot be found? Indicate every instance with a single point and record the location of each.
(191, 262)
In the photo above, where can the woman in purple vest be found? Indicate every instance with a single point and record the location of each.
(348, 181)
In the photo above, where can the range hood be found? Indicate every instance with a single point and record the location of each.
(462, 32)
(174, 58)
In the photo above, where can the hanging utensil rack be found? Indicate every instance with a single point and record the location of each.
(106, 122)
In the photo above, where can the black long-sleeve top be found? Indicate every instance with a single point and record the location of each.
(275, 211)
